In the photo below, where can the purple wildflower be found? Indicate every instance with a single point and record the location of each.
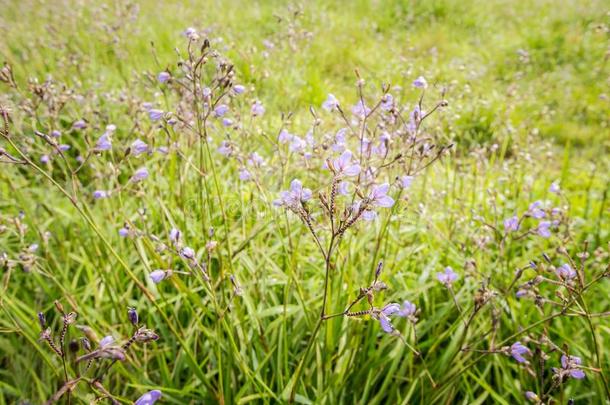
(138, 147)
(343, 188)
(244, 174)
(571, 366)
(132, 315)
(360, 109)
(517, 350)
(140, 174)
(257, 109)
(331, 103)
(163, 77)
(155, 115)
(297, 144)
(284, 136)
(343, 165)
(103, 142)
(378, 196)
(224, 148)
(221, 110)
(124, 232)
(387, 102)
(535, 210)
(531, 396)
(64, 148)
(159, 275)
(447, 277)
(44, 159)
(554, 188)
(511, 224)
(256, 160)
(55, 133)
(383, 317)
(187, 253)
(239, 89)
(406, 181)
(149, 398)
(99, 194)
(544, 229)
(565, 272)
(407, 310)
(369, 215)
(420, 83)
(296, 195)
(80, 124)
(106, 341)
(175, 235)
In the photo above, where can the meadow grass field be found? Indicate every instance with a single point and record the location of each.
(371, 202)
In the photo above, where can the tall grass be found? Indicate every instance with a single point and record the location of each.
(527, 106)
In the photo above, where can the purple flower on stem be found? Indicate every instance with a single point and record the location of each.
(420, 83)
(343, 188)
(447, 277)
(383, 317)
(406, 181)
(256, 160)
(571, 365)
(55, 133)
(221, 110)
(175, 235)
(284, 136)
(331, 103)
(103, 143)
(239, 89)
(511, 224)
(106, 341)
(140, 174)
(159, 275)
(407, 310)
(80, 124)
(149, 398)
(517, 350)
(532, 396)
(343, 165)
(224, 148)
(387, 102)
(369, 215)
(163, 77)
(187, 253)
(360, 110)
(44, 159)
(138, 147)
(257, 109)
(155, 115)
(378, 196)
(544, 229)
(99, 194)
(565, 272)
(554, 188)
(296, 195)
(64, 148)
(535, 210)
(297, 144)
(124, 232)
(244, 174)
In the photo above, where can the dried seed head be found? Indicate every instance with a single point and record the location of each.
(59, 306)
(70, 318)
(144, 335)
